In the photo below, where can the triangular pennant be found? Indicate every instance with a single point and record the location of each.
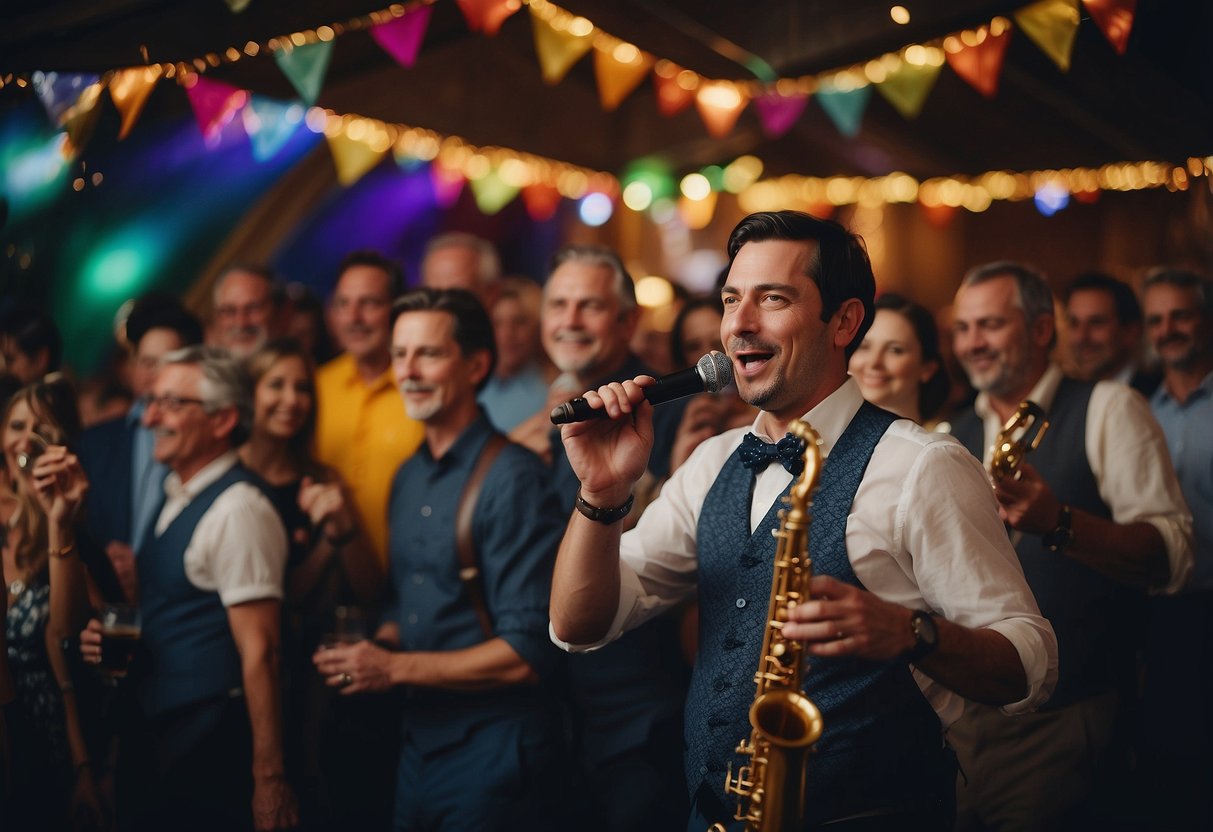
(80, 120)
(558, 46)
(619, 70)
(492, 194)
(270, 124)
(305, 67)
(58, 91)
(779, 112)
(401, 38)
(352, 158)
(215, 104)
(981, 65)
(720, 104)
(1052, 25)
(448, 184)
(908, 86)
(845, 107)
(672, 96)
(1115, 20)
(487, 15)
(541, 201)
(129, 89)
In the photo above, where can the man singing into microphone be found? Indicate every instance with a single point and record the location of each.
(917, 598)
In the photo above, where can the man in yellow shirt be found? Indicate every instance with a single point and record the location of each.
(361, 427)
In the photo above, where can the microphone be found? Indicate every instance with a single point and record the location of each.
(711, 374)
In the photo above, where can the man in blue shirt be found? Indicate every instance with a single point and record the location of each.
(1179, 648)
(482, 739)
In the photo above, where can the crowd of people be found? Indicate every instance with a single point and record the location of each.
(329, 565)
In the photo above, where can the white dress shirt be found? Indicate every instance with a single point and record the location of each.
(924, 533)
(1128, 455)
(239, 547)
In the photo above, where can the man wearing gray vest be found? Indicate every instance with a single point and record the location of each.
(916, 600)
(210, 582)
(1098, 519)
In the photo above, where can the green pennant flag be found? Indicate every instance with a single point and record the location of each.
(305, 67)
(907, 87)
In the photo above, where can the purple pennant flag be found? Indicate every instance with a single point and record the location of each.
(401, 38)
(59, 91)
(779, 112)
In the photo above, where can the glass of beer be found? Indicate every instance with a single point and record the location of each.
(119, 638)
(349, 627)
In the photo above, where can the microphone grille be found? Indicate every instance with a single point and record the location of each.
(716, 370)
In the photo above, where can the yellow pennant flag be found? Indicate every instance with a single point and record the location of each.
(352, 158)
(908, 86)
(619, 68)
(129, 88)
(560, 43)
(79, 120)
(1052, 25)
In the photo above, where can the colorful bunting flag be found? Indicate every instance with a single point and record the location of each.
(59, 91)
(352, 158)
(1115, 20)
(981, 65)
(720, 104)
(1052, 25)
(907, 87)
(79, 120)
(447, 182)
(270, 124)
(672, 97)
(129, 89)
(557, 46)
(541, 201)
(305, 67)
(619, 71)
(779, 112)
(401, 38)
(487, 15)
(215, 104)
(845, 107)
(491, 193)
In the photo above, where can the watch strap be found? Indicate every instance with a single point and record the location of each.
(606, 516)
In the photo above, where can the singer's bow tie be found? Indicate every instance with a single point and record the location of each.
(757, 455)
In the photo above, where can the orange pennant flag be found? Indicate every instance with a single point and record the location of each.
(487, 15)
(1052, 25)
(352, 158)
(675, 87)
(908, 86)
(979, 64)
(620, 68)
(79, 120)
(720, 104)
(1115, 20)
(560, 41)
(129, 89)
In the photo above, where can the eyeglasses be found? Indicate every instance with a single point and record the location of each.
(172, 404)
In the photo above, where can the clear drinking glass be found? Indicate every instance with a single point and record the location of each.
(120, 632)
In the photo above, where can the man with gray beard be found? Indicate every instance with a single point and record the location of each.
(482, 736)
(245, 309)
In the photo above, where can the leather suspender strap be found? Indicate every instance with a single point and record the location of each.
(465, 545)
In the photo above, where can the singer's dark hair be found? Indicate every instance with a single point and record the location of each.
(839, 266)
(471, 326)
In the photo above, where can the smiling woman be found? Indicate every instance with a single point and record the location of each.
(898, 365)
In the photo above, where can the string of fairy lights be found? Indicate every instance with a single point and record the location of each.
(456, 156)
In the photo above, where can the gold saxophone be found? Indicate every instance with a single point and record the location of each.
(1020, 435)
(786, 724)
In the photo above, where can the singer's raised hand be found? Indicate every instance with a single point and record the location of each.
(609, 455)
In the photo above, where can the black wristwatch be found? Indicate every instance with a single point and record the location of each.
(1063, 535)
(926, 635)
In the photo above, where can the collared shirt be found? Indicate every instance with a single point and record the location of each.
(923, 517)
(363, 433)
(1189, 435)
(516, 529)
(239, 546)
(511, 401)
(1127, 453)
(147, 475)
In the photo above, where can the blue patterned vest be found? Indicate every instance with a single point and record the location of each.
(1091, 614)
(882, 750)
(187, 640)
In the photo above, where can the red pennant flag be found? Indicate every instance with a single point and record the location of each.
(980, 65)
(674, 94)
(1115, 20)
(541, 201)
(487, 15)
(401, 38)
(215, 104)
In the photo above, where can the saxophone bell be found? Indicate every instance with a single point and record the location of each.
(1019, 436)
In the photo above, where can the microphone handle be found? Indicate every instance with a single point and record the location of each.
(675, 386)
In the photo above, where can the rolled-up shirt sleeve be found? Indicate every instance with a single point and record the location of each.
(239, 548)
